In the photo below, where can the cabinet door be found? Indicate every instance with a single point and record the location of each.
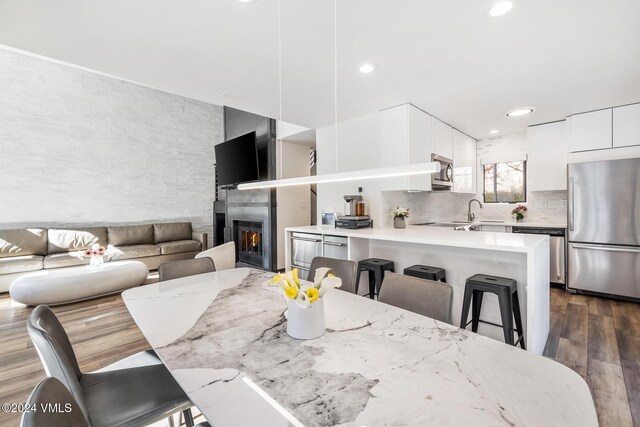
(591, 131)
(626, 125)
(419, 147)
(442, 138)
(394, 144)
(547, 162)
(464, 163)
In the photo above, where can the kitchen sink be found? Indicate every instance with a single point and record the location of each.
(492, 221)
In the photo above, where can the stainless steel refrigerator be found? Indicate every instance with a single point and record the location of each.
(604, 227)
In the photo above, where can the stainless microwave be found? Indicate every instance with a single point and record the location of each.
(442, 180)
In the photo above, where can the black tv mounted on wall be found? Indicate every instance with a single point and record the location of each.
(237, 160)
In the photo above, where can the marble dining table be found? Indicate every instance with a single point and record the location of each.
(223, 337)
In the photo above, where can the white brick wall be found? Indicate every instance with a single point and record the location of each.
(80, 148)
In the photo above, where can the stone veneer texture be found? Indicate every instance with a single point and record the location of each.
(543, 206)
(81, 148)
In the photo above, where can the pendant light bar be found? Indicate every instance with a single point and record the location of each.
(390, 172)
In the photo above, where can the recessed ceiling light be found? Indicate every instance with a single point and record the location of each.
(368, 67)
(500, 8)
(247, 1)
(494, 131)
(523, 111)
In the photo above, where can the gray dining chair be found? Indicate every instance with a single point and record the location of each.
(344, 269)
(131, 394)
(51, 391)
(183, 268)
(422, 296)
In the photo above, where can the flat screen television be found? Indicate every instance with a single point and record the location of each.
(237, 160)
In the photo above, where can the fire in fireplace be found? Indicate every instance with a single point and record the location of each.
(249, 242)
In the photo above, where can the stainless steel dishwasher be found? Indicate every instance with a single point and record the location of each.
(304, 248)
(335, 247)
(557, 261)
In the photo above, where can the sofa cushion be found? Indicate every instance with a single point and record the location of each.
(132, 251)
(127, 235)
(32, 241)
(67, 259)
(19, 264)
(179, 247)
(67, 240)
(171, 231)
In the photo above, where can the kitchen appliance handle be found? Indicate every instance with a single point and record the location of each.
(299, 267)
(305, 239)
(571, 203)
(335, 244)
(605, 248)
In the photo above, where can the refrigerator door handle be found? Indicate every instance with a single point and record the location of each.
(571, 203)
(606, 248)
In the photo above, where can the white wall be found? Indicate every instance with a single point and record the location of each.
(81, 148)
(293, 202)
(358, 147)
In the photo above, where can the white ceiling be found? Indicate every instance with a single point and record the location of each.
(447, 57)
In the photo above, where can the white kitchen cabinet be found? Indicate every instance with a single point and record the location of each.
(547, 159)
(626, 125)
(405, 136)
(464, 163)
(442, 136)
(591, 131)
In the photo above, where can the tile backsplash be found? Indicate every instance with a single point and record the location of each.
(543, 206)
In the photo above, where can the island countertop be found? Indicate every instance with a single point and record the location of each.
(462, 254)
(440, 236)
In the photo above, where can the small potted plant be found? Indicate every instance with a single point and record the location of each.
(399, 214)
(97, 254)
(518, 212)
(305, 314)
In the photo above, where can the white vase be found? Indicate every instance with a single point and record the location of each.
(305, 323)
(96, 261)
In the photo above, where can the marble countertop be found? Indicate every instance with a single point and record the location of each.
(223, 337)
(437, 236)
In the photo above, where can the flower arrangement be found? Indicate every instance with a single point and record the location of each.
(306, 294)
(96, 250)
(96, 253)
(519, 211)
(399, 212)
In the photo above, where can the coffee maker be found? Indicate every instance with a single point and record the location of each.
(354, 216)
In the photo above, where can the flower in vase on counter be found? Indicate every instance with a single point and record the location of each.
(518, 212)
(305, 293)
(399, 212)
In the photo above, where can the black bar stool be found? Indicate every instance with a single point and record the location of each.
(376, 268)
(507, 292)
(425, 272)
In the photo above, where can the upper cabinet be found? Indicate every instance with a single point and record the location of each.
(547, 157)
(464, 163)
(626, 125)
(442, 138)
(405, 136)
(591, 131)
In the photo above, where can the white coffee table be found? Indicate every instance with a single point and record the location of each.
(68, 284)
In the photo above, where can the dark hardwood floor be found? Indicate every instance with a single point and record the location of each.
(598, 338)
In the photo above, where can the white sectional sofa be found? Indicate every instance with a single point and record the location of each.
(26, 250)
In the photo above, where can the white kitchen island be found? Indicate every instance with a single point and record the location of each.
(462, 254)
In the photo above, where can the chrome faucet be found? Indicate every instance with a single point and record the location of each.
(472, 216)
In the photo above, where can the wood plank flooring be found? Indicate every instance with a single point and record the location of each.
(598, 338)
